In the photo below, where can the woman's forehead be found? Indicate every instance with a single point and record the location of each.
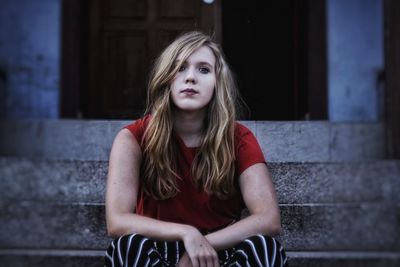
(203, 54)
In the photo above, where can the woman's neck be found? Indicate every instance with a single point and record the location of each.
(189, 127)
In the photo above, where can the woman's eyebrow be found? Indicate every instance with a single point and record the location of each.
(205, 63)
(202, 63)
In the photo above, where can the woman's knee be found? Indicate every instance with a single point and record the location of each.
(128, 248)
(263, 238)
(264, 248)
(126, 241)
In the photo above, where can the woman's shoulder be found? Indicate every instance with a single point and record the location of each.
(247, 148)
(244, 136)
(140, 122)
(138, 127)
(241, 129)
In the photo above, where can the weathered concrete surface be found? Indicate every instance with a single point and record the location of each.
(341, 227)
(18, 260)
(294, 141)
(309, 141)
(58, 139)
(352, 141)
(25, 258)
(41, 225)
(343, 259)
(52, 181)
(306, 227)
(337, 182)
(335, 192)
(24, 179)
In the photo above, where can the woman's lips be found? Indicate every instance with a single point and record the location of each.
(189, 91)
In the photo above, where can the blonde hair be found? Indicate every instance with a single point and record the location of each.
(213, 168)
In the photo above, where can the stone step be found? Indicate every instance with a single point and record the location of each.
(370, 227)
(343, 259)
(289, 141)
(25, 179)
(51, 258)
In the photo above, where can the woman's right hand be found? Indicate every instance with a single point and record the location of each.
(199, 250)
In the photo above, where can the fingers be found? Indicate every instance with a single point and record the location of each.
(195, 262)
(206, 259)
(199, 250)
(216, 260)
(212, 260)
(184, 261)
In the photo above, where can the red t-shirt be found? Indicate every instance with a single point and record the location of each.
(191, 206)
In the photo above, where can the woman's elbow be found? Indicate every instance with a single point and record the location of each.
(113, 229)
(276, 229)
(273, 226)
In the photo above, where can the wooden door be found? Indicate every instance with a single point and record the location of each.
(125, 36)
(278, 53)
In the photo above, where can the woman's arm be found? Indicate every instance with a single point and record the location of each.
(122, 191)
(260, 198)
(121, 197)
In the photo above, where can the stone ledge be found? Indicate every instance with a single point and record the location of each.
(50, 261)
(50, 258)
(344, 259)
(306, 227)
(291, 141)
(25, 179)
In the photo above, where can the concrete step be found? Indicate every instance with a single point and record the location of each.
(344, 259)
(51, 258)
(371, 227)
(26, 179)
(292, 141)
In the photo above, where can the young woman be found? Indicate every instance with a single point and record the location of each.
(180, 177)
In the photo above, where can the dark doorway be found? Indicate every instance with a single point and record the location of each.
(392, 74)
(276, 49)
(267, 45)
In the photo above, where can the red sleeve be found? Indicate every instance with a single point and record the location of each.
(248, 150)
(138, 127)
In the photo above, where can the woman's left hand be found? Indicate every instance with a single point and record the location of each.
(184, 261)
(199, 250)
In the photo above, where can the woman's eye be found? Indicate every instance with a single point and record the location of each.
(182, 68)
(204, 70)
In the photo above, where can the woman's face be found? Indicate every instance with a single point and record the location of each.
(193, 86)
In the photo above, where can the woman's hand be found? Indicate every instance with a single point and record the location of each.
(184, 261)
(198, 250)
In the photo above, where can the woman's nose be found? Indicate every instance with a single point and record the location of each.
(190, 75)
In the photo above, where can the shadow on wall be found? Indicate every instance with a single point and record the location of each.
(3, 93)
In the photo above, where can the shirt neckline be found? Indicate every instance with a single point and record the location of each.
(180, 140)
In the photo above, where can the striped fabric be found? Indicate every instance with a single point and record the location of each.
(139, 251)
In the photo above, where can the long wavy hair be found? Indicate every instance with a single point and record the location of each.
(213, 168)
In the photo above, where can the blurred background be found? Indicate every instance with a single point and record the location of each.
(321, 79)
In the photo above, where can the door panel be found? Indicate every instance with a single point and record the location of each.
(126, 8)
(178, 9)
(125, 55)
(125, 38)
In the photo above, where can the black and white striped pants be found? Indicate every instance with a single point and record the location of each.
(139, 251)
